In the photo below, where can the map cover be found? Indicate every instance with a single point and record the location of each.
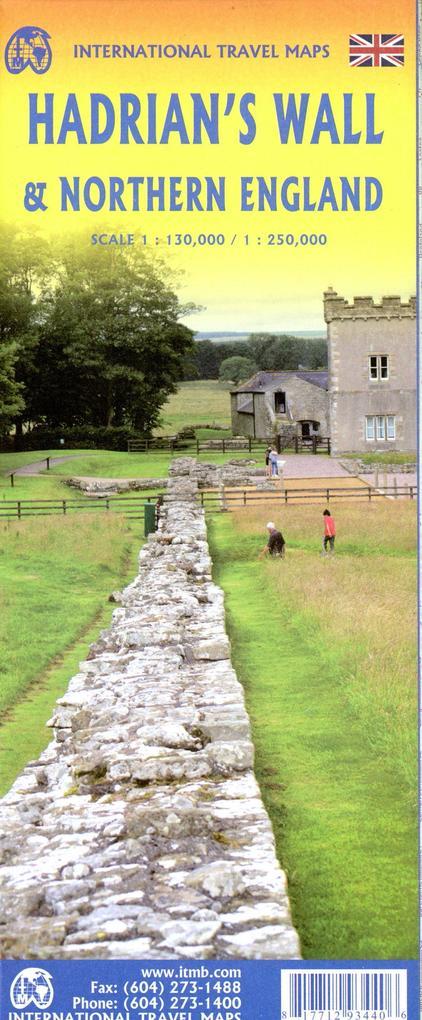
(208, 436)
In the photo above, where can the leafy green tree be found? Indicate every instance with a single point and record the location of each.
(285, 353)
(25, 266)
(11, 401)
(236, 369)
(114, 321)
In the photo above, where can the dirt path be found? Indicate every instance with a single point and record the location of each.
(39, 466)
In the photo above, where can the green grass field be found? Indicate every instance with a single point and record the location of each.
(326, 650)
(57, 575)
(99, 464)
(206, 402)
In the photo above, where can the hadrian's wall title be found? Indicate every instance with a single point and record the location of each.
(154, 119)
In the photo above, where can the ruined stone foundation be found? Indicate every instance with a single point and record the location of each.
(140, 831)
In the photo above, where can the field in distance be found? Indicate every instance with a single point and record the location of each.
(205, 401)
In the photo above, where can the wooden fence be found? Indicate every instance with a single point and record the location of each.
(226, 499)
(235, 499)
(132, 506)
(315, 444)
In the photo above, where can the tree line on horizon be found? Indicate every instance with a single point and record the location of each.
(236, 360)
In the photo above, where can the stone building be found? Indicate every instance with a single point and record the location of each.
(372, 373)
(287, 404)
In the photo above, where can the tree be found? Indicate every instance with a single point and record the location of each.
(11, 401)
(114, 323)
(236, 369)
(285, 353)
(25, 265)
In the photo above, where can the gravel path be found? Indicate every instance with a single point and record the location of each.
(40, 465)
(403, 479)
(303, 465)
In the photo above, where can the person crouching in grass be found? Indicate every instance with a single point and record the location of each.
(329, 532)
(276, 545)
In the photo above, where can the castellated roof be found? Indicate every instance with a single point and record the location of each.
(390, 307)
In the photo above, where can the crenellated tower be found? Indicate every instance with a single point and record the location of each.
(372, 373)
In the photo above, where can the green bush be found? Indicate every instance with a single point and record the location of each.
(83, 437)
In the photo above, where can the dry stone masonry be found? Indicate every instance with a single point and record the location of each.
(140, 831)
(241, 471)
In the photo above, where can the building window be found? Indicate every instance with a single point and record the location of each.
(380, 426)
(280, 402)
(378, 367)
(391, 426)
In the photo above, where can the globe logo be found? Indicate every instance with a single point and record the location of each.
(28, 47)
(32, 985)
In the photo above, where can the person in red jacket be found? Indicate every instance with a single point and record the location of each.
(329, 531)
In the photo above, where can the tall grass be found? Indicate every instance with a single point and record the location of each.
(56, 574)
(363, 601)
(326, 651)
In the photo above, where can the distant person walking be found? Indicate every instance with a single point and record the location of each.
(273, 458)
(329, 532)
(276, 545)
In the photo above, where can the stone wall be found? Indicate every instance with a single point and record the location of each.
(140, 831)
(239, 471)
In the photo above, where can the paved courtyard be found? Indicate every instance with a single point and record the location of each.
(303, 465)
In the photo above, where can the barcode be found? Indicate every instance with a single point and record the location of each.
(334, 994)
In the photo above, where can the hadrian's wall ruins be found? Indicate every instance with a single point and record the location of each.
(140, 831)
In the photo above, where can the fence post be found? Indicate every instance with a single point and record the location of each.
(107, 502)
(328, 495)
(296, 444)
(197, 445)
(244, 497)
(223, 504)
(411, 491)
(329, 446)
(314, 444)
(250, 444)
(285, 495)
(12, 480)
(64, 506)
(224, 446)
(369, 493)
(19, 509)
(47, 459)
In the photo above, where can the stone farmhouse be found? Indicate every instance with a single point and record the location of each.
(286, 404)
(365, 402)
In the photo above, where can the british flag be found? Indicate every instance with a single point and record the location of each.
(384, 50)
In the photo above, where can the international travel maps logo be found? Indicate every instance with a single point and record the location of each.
(28, 47)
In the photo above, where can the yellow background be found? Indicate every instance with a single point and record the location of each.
(241, 288)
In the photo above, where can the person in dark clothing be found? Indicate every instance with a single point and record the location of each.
(267, 461)
(276, 545)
